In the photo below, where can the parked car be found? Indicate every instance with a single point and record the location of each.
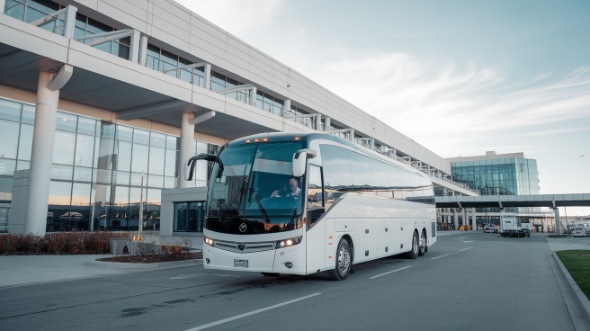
(579, 233)
(519, 232)
(489, 228)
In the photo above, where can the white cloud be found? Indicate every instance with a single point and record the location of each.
(436, 106)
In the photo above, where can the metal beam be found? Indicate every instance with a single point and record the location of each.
(202, 118)
(240, 88)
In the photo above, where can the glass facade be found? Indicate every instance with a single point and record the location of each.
(98, 169)
(499, 176)
(509, 176)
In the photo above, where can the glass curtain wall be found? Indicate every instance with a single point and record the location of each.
(98, 169)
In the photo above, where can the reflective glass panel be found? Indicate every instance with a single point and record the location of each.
(123, 155)
(66, 122)
(28, 114)
(84, 150)
(140, 158)
(62, 172)
(60, 193)
(15, 9)
(9, 139)
(83, 174)
(86, 125)
(7, 167)
(63, 148)
(124, 133)
(156, 181)
(5, 188)
(121, 177)
(81, 194)
(157, 140)
(170, 168)
(25, 144)
(156, 161)
(22, 165)
(10, 110)
(141, 137)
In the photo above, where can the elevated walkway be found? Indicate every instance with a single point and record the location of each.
(503, 201)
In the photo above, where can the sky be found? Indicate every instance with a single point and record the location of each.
(460, 77)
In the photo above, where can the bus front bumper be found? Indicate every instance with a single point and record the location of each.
(290, 260)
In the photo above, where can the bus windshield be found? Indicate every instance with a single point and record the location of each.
(253, 190)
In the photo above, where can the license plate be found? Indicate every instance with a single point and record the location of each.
(241, 263)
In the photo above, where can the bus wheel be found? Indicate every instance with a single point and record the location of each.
(270, 274)
(422, 249)
(413, 254)
(343, 261)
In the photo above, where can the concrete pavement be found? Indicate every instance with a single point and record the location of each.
(24, 270)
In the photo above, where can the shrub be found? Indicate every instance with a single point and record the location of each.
(59, 243)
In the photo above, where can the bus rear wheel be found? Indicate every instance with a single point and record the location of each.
(413, 254)
(423, 249)
(343, 261)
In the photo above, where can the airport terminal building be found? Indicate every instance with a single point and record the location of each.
(103, 102)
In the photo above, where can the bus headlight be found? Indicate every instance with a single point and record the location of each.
(208, 241)
(288, 242)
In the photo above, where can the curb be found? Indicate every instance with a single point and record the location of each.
(582, 300)
(120, 265)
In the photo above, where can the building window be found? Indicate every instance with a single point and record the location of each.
(163, 61)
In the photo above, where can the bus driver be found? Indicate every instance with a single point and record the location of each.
(293, 190)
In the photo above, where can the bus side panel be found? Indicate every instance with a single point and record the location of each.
(386, 238)
(316, 241)
(366, 242)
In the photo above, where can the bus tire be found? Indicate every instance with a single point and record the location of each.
(343, 261)
(422, 249)
(413, 254)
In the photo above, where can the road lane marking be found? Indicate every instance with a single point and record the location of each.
(464, 249)
(254, 312)
(438, 257)
(468, 241)
(390, 272)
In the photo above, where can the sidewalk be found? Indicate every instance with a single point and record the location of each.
(23, 270)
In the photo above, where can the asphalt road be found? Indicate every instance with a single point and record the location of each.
(471, 281)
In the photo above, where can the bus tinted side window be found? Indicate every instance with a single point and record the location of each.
(315, 194)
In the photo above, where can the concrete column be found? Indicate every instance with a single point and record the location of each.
(456, 219)
(318, 122)
(187, 137)
(2, 4)
(135, 50)
(473, 219)
(286, 107)
(557, 222)
(207, 74)
(328, 124)
(70, 21)
(143, 46)
(464, 217)
(41, 156)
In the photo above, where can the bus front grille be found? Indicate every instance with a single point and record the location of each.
(245, 247)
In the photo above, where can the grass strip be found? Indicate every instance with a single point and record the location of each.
(577, 263)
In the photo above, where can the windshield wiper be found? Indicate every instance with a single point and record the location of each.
(262, 210)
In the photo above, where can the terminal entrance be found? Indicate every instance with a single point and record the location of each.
(189, 216)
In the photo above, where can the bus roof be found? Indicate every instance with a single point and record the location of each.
(307, 136)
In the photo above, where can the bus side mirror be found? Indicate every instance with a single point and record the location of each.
(300, 161)
(193, 161)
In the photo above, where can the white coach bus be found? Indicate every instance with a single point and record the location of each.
(286, 203)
